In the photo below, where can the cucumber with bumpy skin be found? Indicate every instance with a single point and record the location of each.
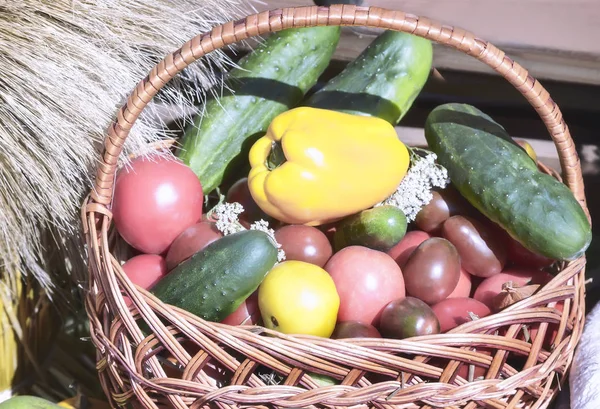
(214, 282)
(499, 178)
(272, 79)
(383, 81)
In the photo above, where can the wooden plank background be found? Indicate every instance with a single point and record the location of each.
(554, 39)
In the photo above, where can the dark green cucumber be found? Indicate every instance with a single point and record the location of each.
(215, 281)
(379, 228)
(499, 179)
(272, 79)
(383, 81)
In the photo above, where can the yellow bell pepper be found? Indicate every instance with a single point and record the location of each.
(315, 166)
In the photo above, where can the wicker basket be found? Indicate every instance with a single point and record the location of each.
(416, 373)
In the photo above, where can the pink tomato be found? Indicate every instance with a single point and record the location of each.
(155, 199)
(551, 331)
(477, 371)
(491, 286)
(463, 288)
(402, 251)
(366, 281)
(144, 271)
(453, 312)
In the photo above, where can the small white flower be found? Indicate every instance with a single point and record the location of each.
(227, 217)
(227, 222)
(414, 191)
(263, 226)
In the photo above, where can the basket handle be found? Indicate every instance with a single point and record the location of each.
(344, 15)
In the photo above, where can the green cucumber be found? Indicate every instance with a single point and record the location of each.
(215, 281)
(272, 79)
(383, 81)
(379, 228)
(501, 180)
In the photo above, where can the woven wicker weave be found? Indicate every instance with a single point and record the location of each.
(416, 373)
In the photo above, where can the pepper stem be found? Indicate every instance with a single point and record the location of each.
(277, 157)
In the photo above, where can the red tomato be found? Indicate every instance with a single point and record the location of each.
(402, 251)
(463, 288)
(192, 240)
(154, 201)
(523, 257)
(463, 367)
(246, 314)
(240, 192)
(366, 281)
(478, 371)
(453, 312)
(145, 271)
(491, 286)
(551, 331)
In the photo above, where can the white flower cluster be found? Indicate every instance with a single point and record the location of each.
(263, 226)
(414, 191)
(227, 217)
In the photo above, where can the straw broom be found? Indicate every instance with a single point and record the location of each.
(65, 67)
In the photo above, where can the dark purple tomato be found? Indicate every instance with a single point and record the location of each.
(239, 192)
(304, 243)
(444, 204)
(192, 240)
(432, 271)
(482, 252)
(354, 329)
(408, 317)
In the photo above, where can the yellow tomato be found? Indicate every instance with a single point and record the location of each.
(299, 298)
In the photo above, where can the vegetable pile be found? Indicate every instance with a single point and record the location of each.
(306, 213)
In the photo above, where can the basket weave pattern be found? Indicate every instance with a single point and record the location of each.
(417, 373)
